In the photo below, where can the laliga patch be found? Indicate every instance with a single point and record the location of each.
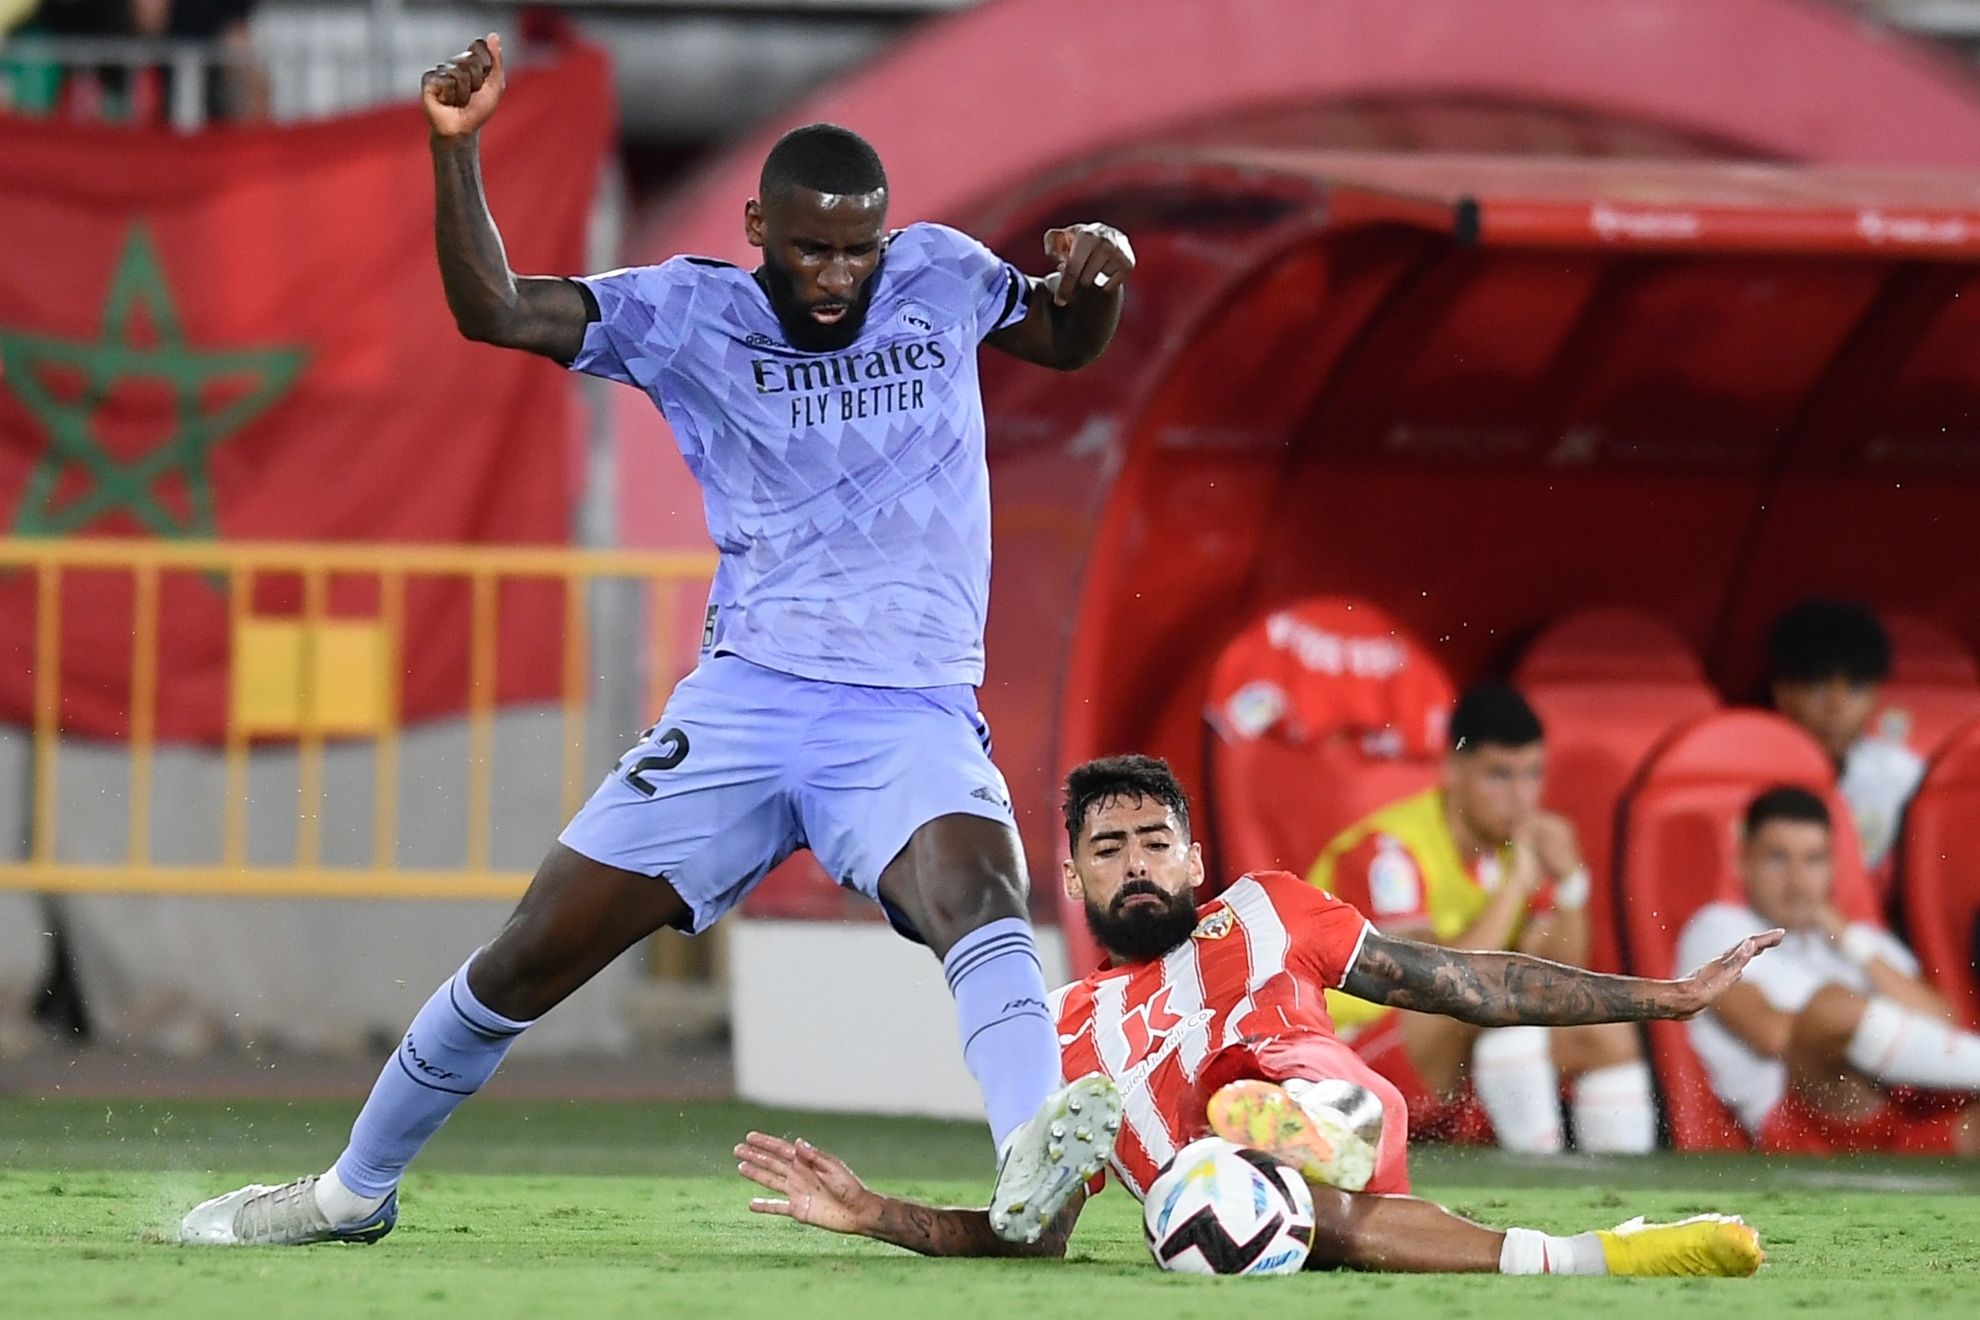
(1215, 926)
(1393, 884)
(1255, 707)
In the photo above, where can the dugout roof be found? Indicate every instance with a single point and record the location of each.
(1481, 393)
(1487, 310)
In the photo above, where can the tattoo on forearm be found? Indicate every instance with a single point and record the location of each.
(937, 1231)
(473, 267)
(1500, 989)
(488, 301)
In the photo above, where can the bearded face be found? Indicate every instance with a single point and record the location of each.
(816, 325)
(822, 254)
(1142, 922)
(1136, 871)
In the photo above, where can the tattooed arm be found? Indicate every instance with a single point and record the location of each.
(818, 1189)
(490, 302)
(1509, 989)
(936, 1231)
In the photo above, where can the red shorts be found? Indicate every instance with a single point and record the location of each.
(1431, 1116)
(1913, 1123)
(1312, 1057)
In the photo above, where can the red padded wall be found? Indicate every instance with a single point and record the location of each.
(1939, 872)
(1609, 685)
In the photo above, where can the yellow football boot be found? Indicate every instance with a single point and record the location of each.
(1314, 1137)
(1721, 1246)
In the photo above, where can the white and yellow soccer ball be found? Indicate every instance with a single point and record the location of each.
(1220, 1208)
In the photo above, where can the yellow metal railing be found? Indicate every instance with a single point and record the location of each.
(369, 650)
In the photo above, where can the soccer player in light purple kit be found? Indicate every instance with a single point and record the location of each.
(828, 405)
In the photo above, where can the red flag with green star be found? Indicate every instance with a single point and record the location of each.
(241, 335)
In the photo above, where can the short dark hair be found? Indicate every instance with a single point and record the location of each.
(1493, 715)
(1785, 802)
(822, 158)
(1818, 640)
(1133, 776)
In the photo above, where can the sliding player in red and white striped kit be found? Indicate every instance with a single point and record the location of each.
(1213, 1019)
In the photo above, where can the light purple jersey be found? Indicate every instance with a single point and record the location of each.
(847, 492)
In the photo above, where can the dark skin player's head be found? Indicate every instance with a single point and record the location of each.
(820, 217)
(1133, 864)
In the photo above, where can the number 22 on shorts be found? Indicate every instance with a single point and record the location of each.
(671, 749)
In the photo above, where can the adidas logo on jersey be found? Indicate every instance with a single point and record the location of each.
(988, 794)
(759, 340)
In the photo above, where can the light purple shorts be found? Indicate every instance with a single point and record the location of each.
(747, 765)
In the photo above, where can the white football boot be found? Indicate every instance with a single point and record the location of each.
(1051, 1157)
(286, 1216)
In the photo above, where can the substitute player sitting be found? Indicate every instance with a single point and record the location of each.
(828, 404)
(1833, 1043)
(1829, 660)
(1474, 863)
(1226, 1001)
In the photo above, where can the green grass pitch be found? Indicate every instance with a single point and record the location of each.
(601, 1210)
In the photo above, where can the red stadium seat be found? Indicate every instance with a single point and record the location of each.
(1679, 852)
(1939, 871)
(1934, 688)
(1319, 713)
(1610, 685)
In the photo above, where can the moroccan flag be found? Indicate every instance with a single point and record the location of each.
(241, 334)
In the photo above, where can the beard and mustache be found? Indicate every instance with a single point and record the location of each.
(800, 330)
(1147, 932)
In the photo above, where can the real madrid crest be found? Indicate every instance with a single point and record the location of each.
(1215, 926)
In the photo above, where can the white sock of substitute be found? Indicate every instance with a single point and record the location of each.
(1613, 1113)
(1896, 1044)
(1529, 1251)
(341, 1205)
(1512, 1070)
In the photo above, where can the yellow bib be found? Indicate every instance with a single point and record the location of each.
(1451, 895)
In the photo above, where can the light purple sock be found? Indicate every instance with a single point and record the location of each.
(454, 1045)
(1008, 1038)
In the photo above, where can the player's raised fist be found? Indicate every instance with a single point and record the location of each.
(461, 93)
(1090, 257)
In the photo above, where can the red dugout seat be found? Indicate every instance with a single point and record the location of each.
(1610, 685)
(1319, 713)
(1934, 688)
(1939, 872)
(1679, 852)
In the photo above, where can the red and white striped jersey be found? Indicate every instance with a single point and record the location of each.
(1255, 968)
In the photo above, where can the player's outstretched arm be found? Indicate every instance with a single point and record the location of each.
(815, 1188)
(1075, 322)
(1512, 989)
(490, 302)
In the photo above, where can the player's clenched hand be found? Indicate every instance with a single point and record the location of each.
(1698, 991)
(1090, 257)
(461, 93)
(1552, 840)
(1525, 875)
(812, 1187)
